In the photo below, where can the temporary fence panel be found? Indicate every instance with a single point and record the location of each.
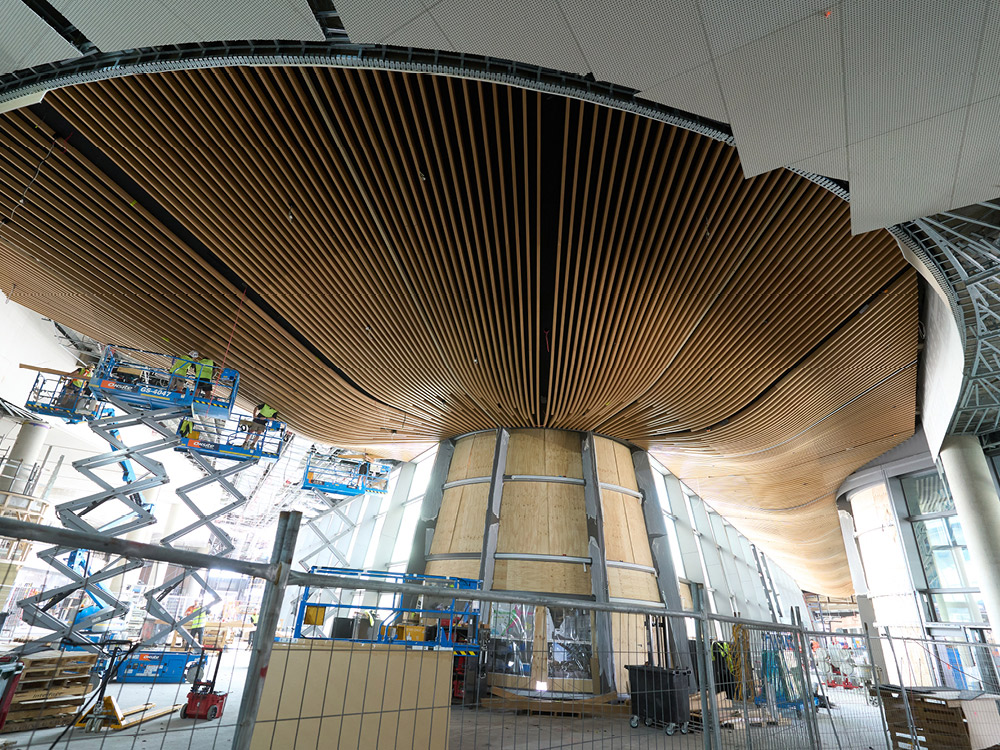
(137, 695)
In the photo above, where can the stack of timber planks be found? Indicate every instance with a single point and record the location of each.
(53, 686)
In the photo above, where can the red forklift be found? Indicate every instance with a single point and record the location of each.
(204, 702)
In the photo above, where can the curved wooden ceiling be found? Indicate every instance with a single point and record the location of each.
(400, 258)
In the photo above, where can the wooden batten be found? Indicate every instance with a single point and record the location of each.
(398, 234)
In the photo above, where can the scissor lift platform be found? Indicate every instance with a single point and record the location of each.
(345, 474)
(236, 439)
(148, 380)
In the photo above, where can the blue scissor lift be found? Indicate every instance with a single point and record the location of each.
(132, 387)
(455, 622)
(341, 473)
(336, 478)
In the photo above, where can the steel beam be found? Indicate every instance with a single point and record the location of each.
(423, 535)
(322, 580)
(598, 573)
(659, 546)
(10, 527)
(267, 624)
(491, 530)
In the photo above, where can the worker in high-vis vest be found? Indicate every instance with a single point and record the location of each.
(74, 386)
(181, 369)
(203, 370)
(262, 416)
(196, 625)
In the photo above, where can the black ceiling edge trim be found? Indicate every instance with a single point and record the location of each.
(339, 52)
(64, 129)
(858, 312)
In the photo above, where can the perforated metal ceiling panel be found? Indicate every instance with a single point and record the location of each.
(522, 30)
(372, 21)
(422, 31)
(902, 65)
(696, 91)
(978, 176)
(831, 164)
(730, 26)
(632, 48)
(987, 83)
(799, 63)
(129, 24)
(26, 40)
(920, 186)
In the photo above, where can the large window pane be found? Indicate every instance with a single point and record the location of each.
(958, 608)
(944, 557)
(926, 493)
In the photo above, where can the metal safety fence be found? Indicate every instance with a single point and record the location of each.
(354, 659)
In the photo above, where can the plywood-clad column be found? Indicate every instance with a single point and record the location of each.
(542, 544)
(629, 561)
(456, 548)
(550, 512)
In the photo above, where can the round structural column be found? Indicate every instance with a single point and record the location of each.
(968, 473)
(546, 512)
(23, 456)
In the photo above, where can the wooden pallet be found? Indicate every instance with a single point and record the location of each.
(30, 726)
(52, 688)
(44, 709)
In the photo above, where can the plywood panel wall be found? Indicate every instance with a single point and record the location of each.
(348, 695)
(552, 453)
(461, 520)
(544, 518)
(614, 463)
(454, 568)
(473, 457)
(547, 577)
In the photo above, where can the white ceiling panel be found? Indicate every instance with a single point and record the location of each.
(655, 40)
(799, 63)
(422, 32)
(26, 40)
(129, 24)
(988, 75)
(978, 177)
(696, 91)
(730, 26)
(906, 173)
(373, 21)
(831, 164)
(532, 32)
(907, 60)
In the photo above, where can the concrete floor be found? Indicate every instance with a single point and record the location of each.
(852, 722)
(167, 733)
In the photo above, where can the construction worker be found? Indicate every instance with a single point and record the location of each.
(180, 371)
(253, 631)
(78, 380)
(196, 625)
(262, 415)
(203, 370)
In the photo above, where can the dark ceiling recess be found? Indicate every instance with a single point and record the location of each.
(472, 255)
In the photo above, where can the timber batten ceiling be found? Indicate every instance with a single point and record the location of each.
(431, 256)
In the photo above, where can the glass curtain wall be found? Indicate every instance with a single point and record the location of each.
(948, 587)
(709, 552)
